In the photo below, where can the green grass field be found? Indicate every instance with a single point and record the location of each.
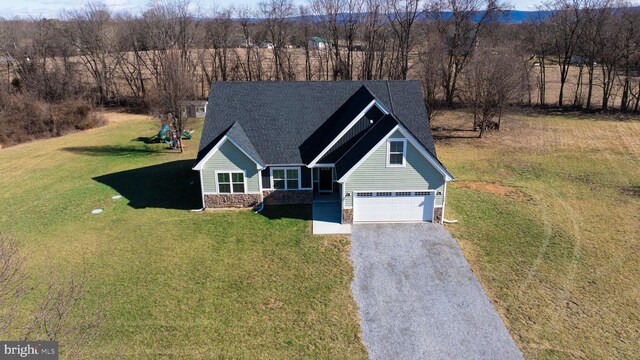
(549, 212)
(174, 283)
(549, 217)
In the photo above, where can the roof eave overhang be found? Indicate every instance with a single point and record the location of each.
(436, 164)
(200, 164)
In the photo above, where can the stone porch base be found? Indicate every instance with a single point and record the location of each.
(271, 197)
(347, 216)
(218, 201)
(437, 215)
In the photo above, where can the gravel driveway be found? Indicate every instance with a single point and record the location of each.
(419, 299)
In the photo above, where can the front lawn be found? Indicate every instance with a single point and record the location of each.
(548, 218)
(174, 283)
(548, 212)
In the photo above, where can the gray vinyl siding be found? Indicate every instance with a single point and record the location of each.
(374, 175)
(229, 157)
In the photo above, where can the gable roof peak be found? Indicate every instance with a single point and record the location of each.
(279, 117)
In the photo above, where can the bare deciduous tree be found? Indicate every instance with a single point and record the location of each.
(132, 45)
(459, 25)
(372, 38)
(491, 83)
(402, 14)
(174, 87)
(91, 32)
(12, 282)
(276, 20)
(60, 313)
(566, 31)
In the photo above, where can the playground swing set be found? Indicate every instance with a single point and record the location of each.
(169, 136)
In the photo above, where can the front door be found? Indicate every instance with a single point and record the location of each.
(325, 183)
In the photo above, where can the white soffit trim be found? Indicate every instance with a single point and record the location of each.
(344, 131)
(426, 154)
(381, 107)
(206, 158)
(414, 142)
(373, 149)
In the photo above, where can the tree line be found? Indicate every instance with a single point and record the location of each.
(572, 53)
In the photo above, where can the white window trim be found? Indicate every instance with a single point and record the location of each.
(286, 187)
(244, 178)
(447, 176)
(404, 152)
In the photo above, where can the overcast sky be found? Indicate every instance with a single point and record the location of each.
(51, 8)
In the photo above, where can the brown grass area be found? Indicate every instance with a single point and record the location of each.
(562, 264)
(543, 133)
(122, 117)
(492, 188)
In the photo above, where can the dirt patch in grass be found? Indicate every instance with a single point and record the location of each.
(493, 188)
(272, 304)
(633, 191)
(121, 117)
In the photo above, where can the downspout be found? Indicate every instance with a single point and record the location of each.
(261, 192)
(446, 221)
(261, 202)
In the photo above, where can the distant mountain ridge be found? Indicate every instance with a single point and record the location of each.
(507, 16)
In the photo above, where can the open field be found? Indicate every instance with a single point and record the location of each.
(549, 212)
(174, 283)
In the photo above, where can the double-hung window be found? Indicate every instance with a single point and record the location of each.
(230, 182)
(285, 178)
(396, 152)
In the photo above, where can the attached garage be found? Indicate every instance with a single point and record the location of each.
(393, 206)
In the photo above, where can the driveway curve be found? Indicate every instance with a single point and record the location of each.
(419, 299)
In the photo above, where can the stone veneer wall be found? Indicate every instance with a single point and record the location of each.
(437, 215)
(279, 197)
(218, 201)
(347, 216)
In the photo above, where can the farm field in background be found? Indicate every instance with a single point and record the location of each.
(321, 70)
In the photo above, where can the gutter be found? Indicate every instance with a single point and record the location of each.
(261, 202)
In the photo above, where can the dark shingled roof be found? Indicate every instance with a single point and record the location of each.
(338, 121)
(279, 117)
(372, 136)
(237, 134)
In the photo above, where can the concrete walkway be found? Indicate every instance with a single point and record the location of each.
(326, 215)
(419, 299)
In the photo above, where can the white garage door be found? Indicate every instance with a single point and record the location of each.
(393, 206)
